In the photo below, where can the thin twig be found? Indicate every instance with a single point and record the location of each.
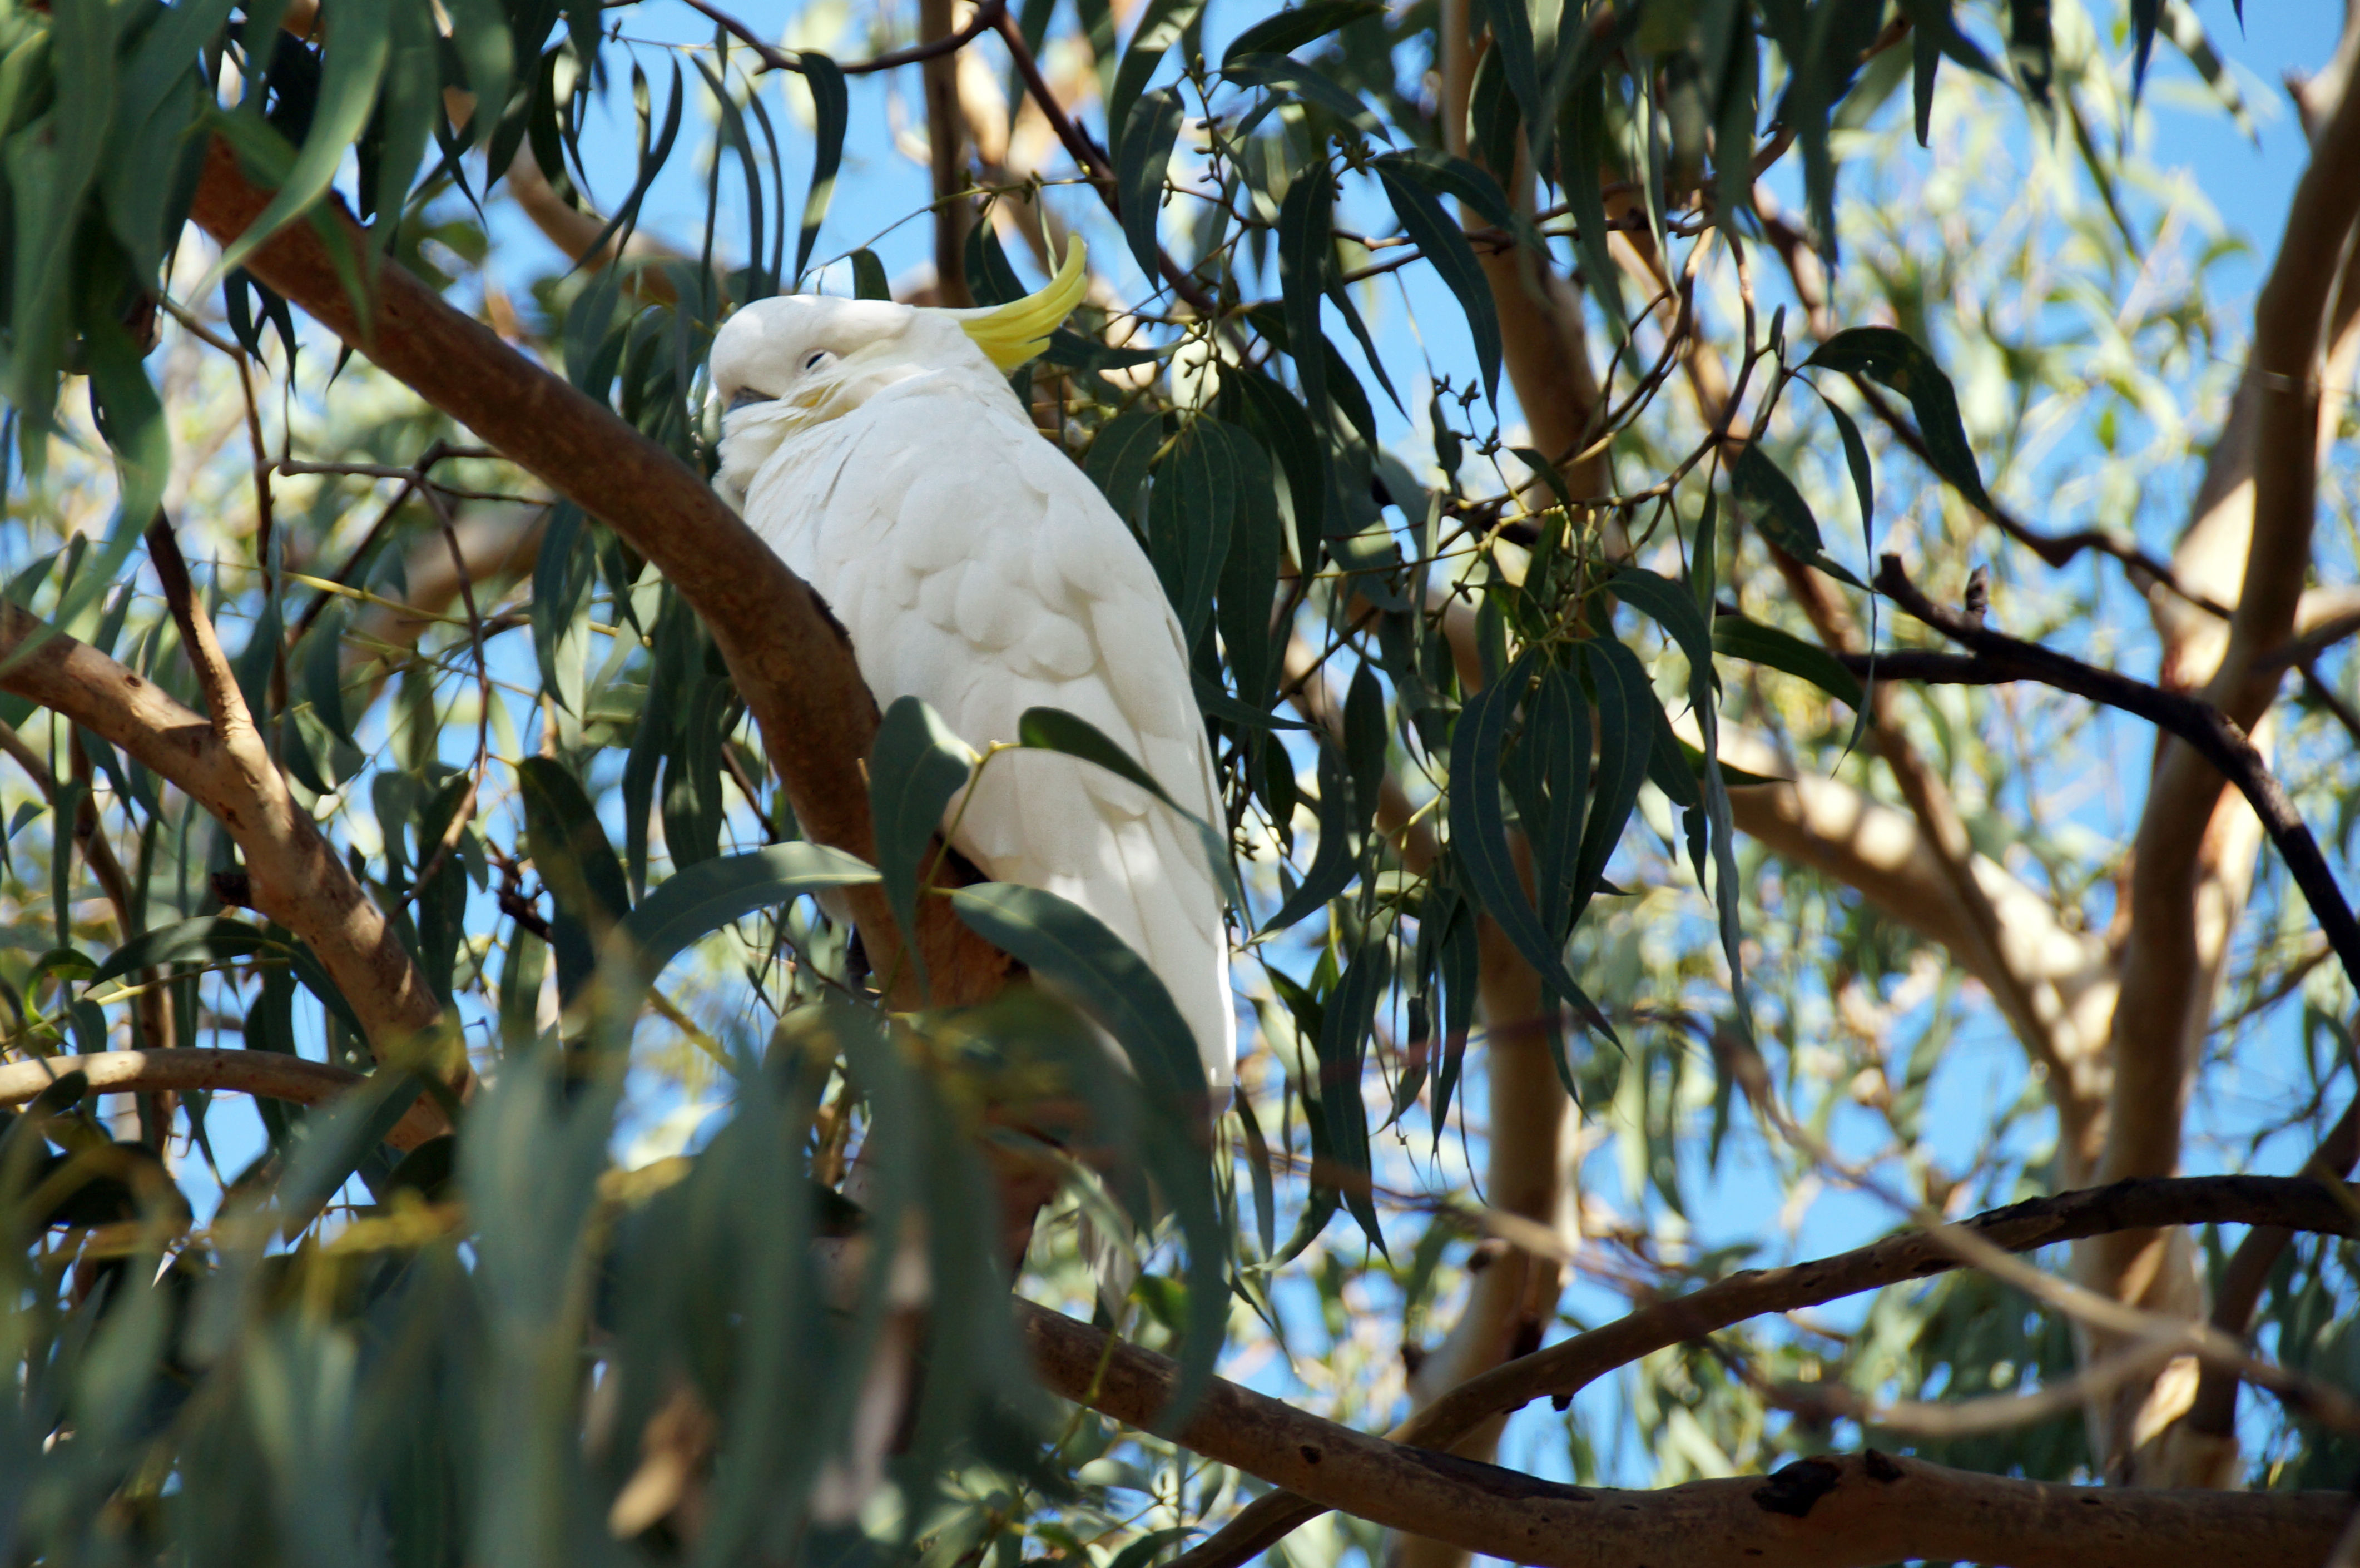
(466, 810)
(1089, 159)
(987, 16)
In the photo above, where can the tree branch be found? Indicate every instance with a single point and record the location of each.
(2206, 730)
(1826, 1512)
(784, 648)
(297, 878)
(1562, 1370)
(272, 1074)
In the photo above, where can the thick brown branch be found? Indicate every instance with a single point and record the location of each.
(786, 652)
(1827, 1512)
(297, 878)
(1562, 1370)
(272, 1074)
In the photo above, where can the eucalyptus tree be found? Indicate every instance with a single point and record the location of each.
(408, 743)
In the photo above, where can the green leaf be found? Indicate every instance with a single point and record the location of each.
(1742, 639)
(1071, 348)
(915, 768)
(1248, 578)
(1333, 862)
(570, 849)
(989, 275)
(712, 893)
(1446, 175)
(1863, 476)
(1581, 164)
(1626, 739)
(1308, 84)
(1285, 429)
(1304, 239)
(1556, 729)
(1778, 509)
(322, 671)
(1344, 1026)
(1289, 30)
(1511, 37)
(410, 103)
(1479, 833)
(654, 155)
(359, 37)
(1119, 458)
(209, 939)
(1190, 516)
(487, 50)
(831, 109)
(1158, 30)
(1445, 245)
(1073, 949)
(1897, 360)
(1141, 167)
(1053, 729)
(1258, 1170)
(338, 1138)
(869, 280)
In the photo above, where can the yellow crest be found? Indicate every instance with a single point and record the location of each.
(1011, 334)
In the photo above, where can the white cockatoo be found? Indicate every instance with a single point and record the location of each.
(879, 448)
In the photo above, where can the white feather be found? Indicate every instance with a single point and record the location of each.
(974, 567)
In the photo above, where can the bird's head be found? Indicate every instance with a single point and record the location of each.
(786, 364)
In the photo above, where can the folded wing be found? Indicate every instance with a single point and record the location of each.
(977, 569)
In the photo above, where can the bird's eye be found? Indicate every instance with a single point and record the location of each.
(744, 395)
(816, 358)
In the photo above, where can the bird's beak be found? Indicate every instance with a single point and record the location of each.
(746, 396)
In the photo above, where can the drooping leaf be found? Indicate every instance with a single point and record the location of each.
(1304, 239)
(571, 852)
(1478, 837)
(1119, 458)
(1287, 431)
(359, 40)
(1289, 30)
(915, 768)
(1897, 360)
(1581, 165)
(1249, 573)
(1139, 170)
(1159, 28)
(208, 940)
(1343, 1048)
(1307, 84)
(1074, 951)
(1330, 871)
(1443, 243)
(1625, 741)
(707, 895)
(1742, 639)
(1190, 517)
(1778, 509)
(1511, 37)
(831, 107)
